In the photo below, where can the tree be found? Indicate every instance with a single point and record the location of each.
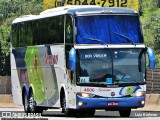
(152, 34)
(9, 10)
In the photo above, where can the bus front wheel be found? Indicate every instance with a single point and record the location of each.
(91, 113)
(125, 113)
(86, 113)
(68, 112)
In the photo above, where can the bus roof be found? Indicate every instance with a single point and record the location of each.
(76, 10)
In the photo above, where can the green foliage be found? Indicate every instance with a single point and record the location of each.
(9, 10)
(151, 26)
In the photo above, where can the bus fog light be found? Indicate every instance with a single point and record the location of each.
(80, 103)
(142, 102)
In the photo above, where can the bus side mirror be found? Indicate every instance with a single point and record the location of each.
(151, 58)
(13, 50)
(72, 59)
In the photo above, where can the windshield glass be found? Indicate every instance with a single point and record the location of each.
(104, 27)
(114, 66)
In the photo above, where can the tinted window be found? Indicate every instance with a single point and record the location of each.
(43, 31)
(14, 35)
(69, 30)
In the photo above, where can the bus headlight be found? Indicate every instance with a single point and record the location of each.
(138, 94)
(85, 95)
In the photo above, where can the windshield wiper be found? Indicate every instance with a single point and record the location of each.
(92, 84)
(127, 38)
(128, 82)
(93, 39)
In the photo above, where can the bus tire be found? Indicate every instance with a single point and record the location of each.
(26, 103)
(32, 105)
(85, 113)
(90, 113)
(67, 112)
(125, 113)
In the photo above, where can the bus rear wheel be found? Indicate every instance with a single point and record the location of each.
(125, 113)
(26, 103)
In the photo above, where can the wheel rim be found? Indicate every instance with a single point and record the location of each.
(31, 103)
(64, 104)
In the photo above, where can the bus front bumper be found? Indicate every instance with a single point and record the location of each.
(110, 103)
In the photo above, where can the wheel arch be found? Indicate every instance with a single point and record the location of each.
(26, 91)
(31, 89)
(63, 92)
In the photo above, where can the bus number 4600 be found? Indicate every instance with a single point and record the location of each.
(89, 89)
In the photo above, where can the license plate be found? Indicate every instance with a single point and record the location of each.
(112, 103)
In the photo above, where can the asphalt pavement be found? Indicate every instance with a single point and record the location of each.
(151, 111)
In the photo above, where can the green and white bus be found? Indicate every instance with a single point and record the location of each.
(80, 59)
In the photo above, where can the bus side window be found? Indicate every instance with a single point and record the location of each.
(14, 35)
(68, 38)
(61, 28)
(18, 35)
(36, 36)
(44, 31)
(56, 25)
(69, 30)
(69, 45)
(29, 36)
(21, 35)
(53, 30)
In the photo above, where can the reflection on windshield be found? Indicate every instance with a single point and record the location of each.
(111, 66)
(95, 65)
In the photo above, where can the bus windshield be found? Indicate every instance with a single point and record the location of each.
(116, 66)
(109, 29)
